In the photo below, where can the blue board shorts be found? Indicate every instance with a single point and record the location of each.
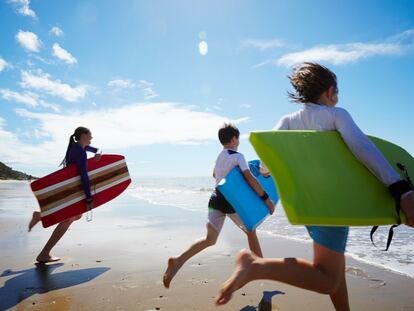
(334, 238)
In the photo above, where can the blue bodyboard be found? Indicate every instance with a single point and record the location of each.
(245, 201)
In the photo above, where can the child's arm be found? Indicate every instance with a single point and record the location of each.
(95, 151)
(365, 150)
(264, 170)
(81, 160)
(252, 181)
(91, 149)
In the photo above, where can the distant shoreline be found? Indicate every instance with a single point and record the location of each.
(6, 173)
(15, 180)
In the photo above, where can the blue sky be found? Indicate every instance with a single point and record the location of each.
(154, 80)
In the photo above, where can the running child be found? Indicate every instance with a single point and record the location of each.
(79, 144)
(218, 207)
(316, 87)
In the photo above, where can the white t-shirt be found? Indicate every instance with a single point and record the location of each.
(226, 160)
(324, 118)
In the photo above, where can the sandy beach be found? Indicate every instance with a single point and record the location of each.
(116, 262)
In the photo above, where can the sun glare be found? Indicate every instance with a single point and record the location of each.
(203, 48)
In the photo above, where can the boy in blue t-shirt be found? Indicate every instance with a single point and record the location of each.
(218, 207)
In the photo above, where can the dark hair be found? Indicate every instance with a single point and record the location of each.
(310, 80)
(227, 132)
(73, 139)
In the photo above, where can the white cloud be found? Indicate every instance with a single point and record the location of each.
(405, 38)
(129, 126)
(56, 31)
(246, 106)
(148, 90)
(145, 86)
(339, 54)
(43, 82)
(3, 64)
(23, 7)
(244, 136)
(43, 60)
(62, 54)
(29, 40)
(28, 98)
(121, 84)
(264, 63)
(44, 104)
(263, 44)
(18, 152)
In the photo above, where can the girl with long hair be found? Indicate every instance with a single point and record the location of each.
(79, 144)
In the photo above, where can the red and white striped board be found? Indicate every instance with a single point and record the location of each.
(61, 196)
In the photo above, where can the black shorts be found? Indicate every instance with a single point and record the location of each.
(218, 201)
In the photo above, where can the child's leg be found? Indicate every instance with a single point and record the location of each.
(254, 244)
(57, 234)
(324, 275)
(340, 297)
(35, 219)
(175, 263)
(334, 264)
(252, 239)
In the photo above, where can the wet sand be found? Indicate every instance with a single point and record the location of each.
(116, 262)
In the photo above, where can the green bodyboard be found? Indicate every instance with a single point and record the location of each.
(320, 182)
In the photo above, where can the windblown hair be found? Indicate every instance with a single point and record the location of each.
(73, 139)
(227, 132)
(310, 80)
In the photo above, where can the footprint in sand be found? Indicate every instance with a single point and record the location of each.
(356, 272)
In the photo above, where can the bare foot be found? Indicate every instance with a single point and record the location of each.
(172, 269)
(46, 259)
(241, 276)
(35, 219)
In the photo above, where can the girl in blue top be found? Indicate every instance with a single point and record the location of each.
(316, 87)
(79, 143)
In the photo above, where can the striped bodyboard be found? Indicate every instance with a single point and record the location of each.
(61, 196)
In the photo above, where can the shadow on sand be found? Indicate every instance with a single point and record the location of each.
(265, 303)
(41, 279)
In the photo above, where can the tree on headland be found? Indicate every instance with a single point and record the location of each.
(7, 172)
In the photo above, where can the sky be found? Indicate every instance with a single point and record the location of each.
(154, 80)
